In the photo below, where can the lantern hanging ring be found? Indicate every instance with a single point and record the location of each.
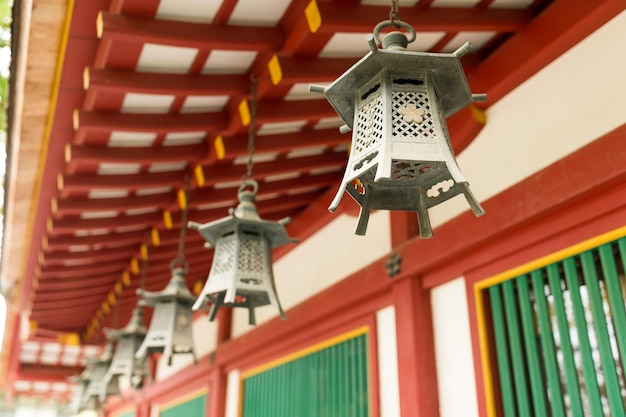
(248, 183)
(397, 24)
(179, 262)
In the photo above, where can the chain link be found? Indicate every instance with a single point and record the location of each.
(394, 14)
(252, 128)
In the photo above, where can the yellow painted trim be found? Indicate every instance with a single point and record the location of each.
(134, 266)
(557, 256)
(220, 151)
(118, 288)
(126, 278)
(198, 171)
(167, 219)
(244, 112)
(276, 72)
(478, 114)
(185, 398)
(182, 199)
(154, 234)
(47, 131)
(313, 16)
(111, 296)
(306, 351)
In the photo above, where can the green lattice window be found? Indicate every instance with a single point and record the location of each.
(560, 337)
(330, 382)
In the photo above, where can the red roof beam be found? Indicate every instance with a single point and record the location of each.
(52, 243)
(73, 206)
(187, 34)
(122, 82)
(74, 224)
(357, 18)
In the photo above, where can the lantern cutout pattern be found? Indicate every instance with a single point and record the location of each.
(97, 389)
(396, 103)
(170, 330)
(241, 274)
(124, 365)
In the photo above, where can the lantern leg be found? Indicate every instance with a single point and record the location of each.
(422, 216)
(474, 204)
(251, 316)
(335, 203)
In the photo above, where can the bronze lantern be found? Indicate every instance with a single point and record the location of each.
(170, 330)
(97, 389)
(124, 364)
(241, 274)
(396, 103)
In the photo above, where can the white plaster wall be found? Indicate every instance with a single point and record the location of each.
(571, 102)
(388, 384)
(232, 394)
(453, 350)
(319, 262)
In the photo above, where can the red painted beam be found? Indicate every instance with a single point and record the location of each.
(52, 243)
(122, 82)
(116, 27)
(337, 17)
(72, 224)
(105, 122)
(75, 206)
(60, 258)
(81, 183)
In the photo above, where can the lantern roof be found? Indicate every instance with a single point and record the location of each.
(135, 326)
(176, 289)
(244, 215)
(443, 68)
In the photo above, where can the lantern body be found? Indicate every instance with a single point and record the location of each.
(124, 364)
(396, 103)
(170, 330)
(97, 388)
(241, 272)
(76, 404)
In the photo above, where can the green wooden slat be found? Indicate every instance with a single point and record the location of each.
(316, 385)
(570, 369)
(502, 352)
(589, 372)
(557, 407)
(530, 343)
(616, 300)
(515, 344)
(604, 343)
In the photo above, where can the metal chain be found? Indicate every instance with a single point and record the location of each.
(394, 14)
(252, 128)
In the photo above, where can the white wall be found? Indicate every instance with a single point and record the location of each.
(571, 102)
(388, 384)
(320, 261)
(453, 350)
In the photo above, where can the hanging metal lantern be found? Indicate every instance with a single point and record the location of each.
(241, 274)
(98, 389)
(124, 364)
(396, 103)
(170, 330)
(77, 403)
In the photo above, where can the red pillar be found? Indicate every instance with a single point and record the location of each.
(417, 377)
(216, 404)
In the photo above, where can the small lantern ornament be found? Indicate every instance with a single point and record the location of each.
(98, 389)
(77, 402)
(396, 103)
(241, 273)
(124, 364)
(170, 330)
